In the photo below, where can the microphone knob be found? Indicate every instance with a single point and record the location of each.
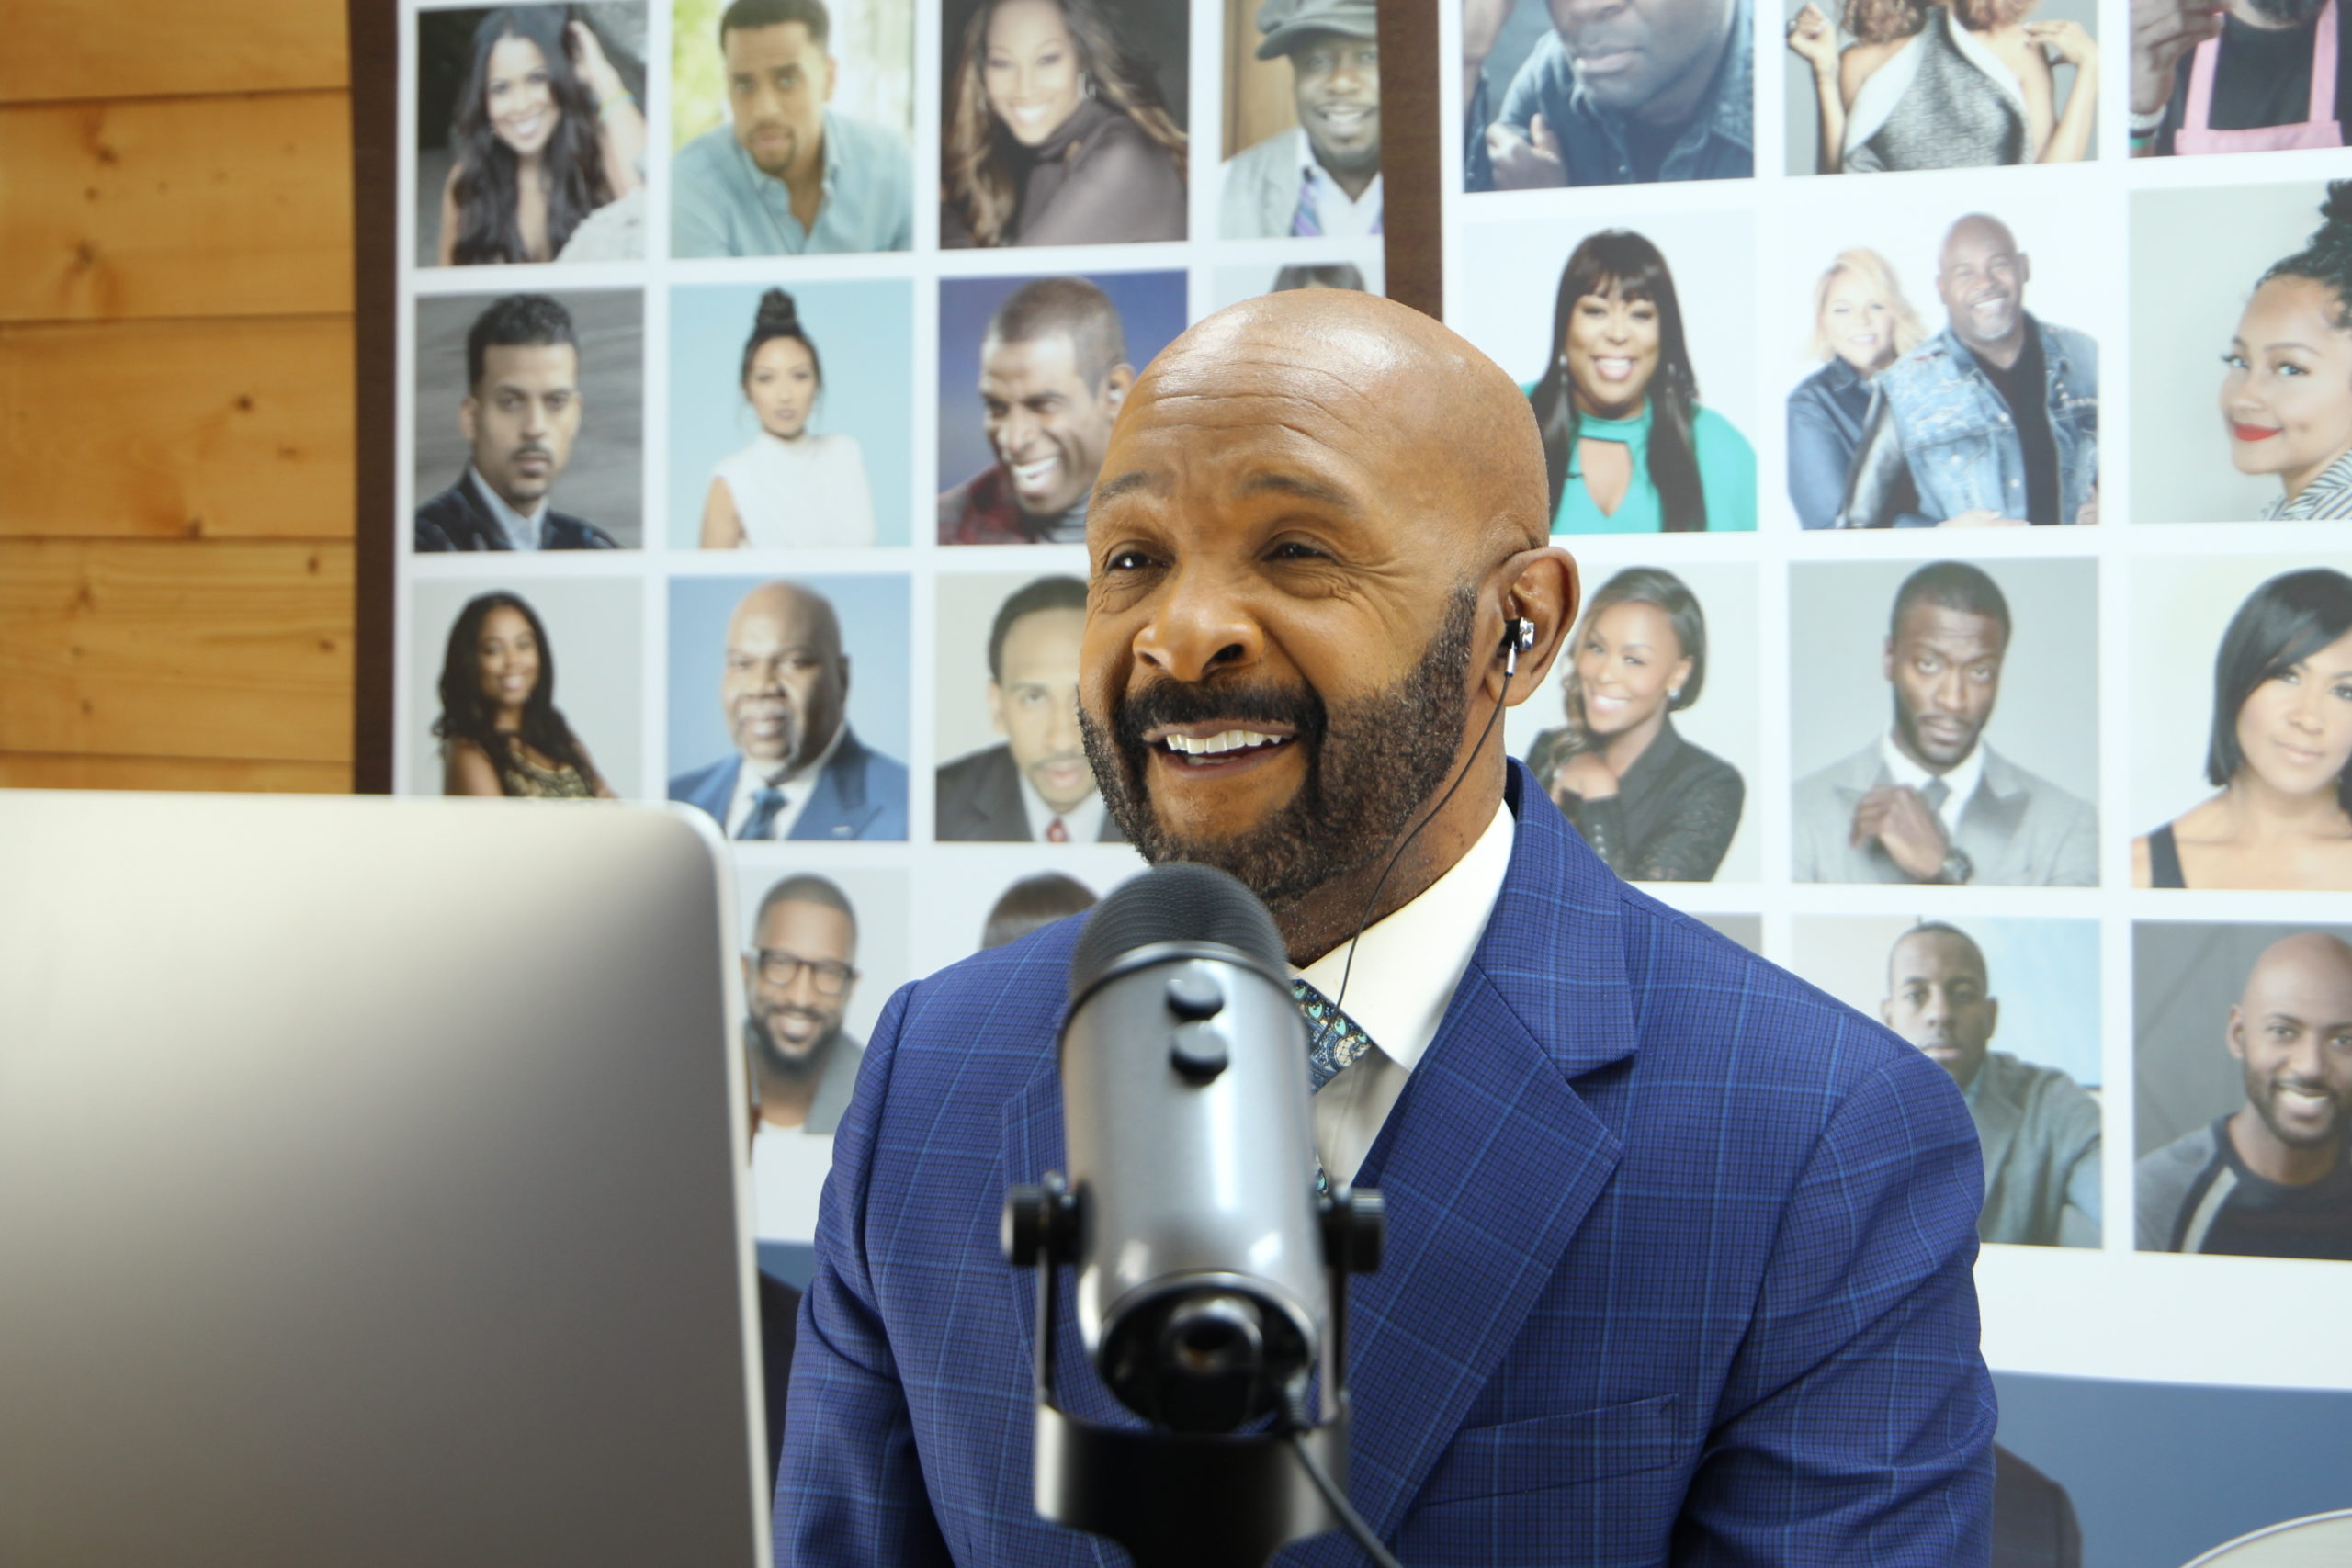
(1193, 995)
(1198, 1052)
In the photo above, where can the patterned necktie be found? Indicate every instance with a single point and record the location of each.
(1056, 833)
(765, 805)
(1338, 1040)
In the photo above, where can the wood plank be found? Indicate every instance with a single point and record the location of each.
(20, 770)
(66, 48)
(198, 429)
(176, 206)
(236, 649)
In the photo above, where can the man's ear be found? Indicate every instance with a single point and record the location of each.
(1992, 1016)
(1540, 586)
(2234, 1035)
(1887, 661)
(468, 412)
(996, 707)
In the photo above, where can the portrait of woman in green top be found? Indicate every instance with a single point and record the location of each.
(1629, 447)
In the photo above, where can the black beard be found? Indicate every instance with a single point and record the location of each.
(777, 1068)
(2290, 13)
(1371, 763)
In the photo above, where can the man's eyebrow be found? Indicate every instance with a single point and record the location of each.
(1127, 483)
(1305, 488)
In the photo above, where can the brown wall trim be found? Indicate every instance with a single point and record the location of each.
(1409, 171)
(375, 298)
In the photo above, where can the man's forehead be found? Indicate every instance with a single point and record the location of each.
(1042, 635)
(807, 918)
(1946, 626)
(774, 45)
(1053, 355)
(1931, 954)
(2310, 980)
(534, 362)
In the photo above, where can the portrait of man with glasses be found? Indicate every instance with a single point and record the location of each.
(798, 979)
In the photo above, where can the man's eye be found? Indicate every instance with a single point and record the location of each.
(1127, 560)
(1291, 549)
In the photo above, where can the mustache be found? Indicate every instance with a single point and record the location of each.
(534, 449)
(1182, 702)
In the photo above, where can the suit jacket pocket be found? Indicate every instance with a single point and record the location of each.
(1557, 1451)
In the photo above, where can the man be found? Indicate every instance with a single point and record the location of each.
(2269, 1179)
(520, 416)
(798, 980)
(797, 771)
(1991, 422)
(1679, 1253)
(1322, 178)
(1929, 801)
(2269, 86)
(1053, 371)
(1620, 92)
(786, 176)
(1036, 786)
(2039, 1129)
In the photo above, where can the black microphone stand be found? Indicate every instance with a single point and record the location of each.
(1181, 1499)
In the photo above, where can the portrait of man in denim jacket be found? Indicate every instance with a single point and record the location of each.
(1993, 422)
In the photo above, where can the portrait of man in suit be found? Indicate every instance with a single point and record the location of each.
(1680, 1252)
(1037, 785)
(798, 979)
(2039, 1128)
(520, 416)
(797, 770)
(1054, 372)
(1929, 801)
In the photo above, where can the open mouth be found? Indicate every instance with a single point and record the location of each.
(1217, 746)
(1034, 478)
(2253, 432)
(1036, 117)
(1351, 120)
(528, 130)
(1612, 367)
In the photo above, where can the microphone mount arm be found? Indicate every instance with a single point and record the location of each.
(1181, 1499)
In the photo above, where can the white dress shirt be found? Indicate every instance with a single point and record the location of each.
(523, 531)
(796, 786)
(1406, 971)
(1338, 214)
(1082, 822)
(1961, 779)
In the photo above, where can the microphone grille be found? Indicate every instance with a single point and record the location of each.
(1177, 901)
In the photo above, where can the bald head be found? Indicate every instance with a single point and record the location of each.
(1388, 380)
(2318, 962)
(786, 681)
(1981, 277)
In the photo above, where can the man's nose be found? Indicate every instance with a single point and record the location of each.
(1198, 627)
(1347, 76)
(1950, 692)
(535, 418)
(1014, 432)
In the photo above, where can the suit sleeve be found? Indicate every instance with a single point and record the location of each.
(850, 1489)
(1857, 1425)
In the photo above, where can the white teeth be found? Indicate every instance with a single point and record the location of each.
(1226, 740)
(1033, 474)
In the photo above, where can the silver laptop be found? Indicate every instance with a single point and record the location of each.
(371, 1186)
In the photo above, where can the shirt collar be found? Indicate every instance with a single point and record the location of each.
(1961, 779)
(524, 531)
(1407, 965)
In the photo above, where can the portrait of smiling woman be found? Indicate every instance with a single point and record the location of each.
(2279, 749)
(1055, 133)
(545, 130)
(791, 487)
(1656, 807)
(1862, 324)
(2286, 377)
(499, 730)
(1628, 446)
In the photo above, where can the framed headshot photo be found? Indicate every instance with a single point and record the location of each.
(1951, 739)
(1881, 87)
(530, 129)
(1635, 345)
(530, 422)
(791, 125)
(788, 415)
(2242, 722)
(787, 701)
(1302, 122)
(2241, 1058)
(1916, 332)
(1647, 738)
(2242, 379)
(487, 714)
(2010, 1008)
(1031, 372)
(1062, 122)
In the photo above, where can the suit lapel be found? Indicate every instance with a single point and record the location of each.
(839, 807)
(1988, 823)
(1489, 1162)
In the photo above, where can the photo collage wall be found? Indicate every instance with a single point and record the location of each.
(1968, 595)
(757, 362)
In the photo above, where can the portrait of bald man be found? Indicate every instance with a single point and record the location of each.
(1035, 786)
(2268, 1177)
(2039, 1128)
(796, 770)
(1991, 423)
(1321, 518)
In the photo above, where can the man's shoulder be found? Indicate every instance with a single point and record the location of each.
(2176, 1162)
(2072, 342)
(2035, 1085)
(1002, 1003)
(975, 770)
(452, 521)
(980, 511)
(565, 531)
(2042, 798)
(881, 771)
(694, 782)
(1929, 362)
(872, 144)
(1263, 158)
(1847, 774)
(710, 156)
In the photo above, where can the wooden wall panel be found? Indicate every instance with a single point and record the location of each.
(234, 650)
(175, 207)
(72, 49)
(35, 770)
(184, 429)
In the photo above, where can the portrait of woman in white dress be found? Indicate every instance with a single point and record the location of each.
(792, 487)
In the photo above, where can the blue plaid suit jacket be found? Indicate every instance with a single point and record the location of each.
(1679, 1268)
